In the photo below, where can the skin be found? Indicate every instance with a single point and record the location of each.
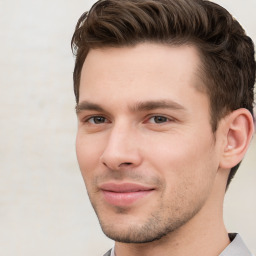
(142, 120)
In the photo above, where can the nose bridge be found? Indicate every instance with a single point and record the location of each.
(121, 147)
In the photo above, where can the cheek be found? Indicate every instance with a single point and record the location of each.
(187, 174)
(88, 154)
(182, 159)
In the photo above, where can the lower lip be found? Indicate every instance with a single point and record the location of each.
(124, 199)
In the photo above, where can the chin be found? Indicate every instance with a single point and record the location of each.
(130, 231)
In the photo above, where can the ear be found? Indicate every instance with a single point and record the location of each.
(239, 129)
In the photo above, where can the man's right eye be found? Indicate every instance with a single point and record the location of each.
(96, 120)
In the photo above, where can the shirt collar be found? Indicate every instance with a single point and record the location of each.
(113, 252)
(237, 247)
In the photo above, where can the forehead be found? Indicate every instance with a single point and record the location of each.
(146, 71)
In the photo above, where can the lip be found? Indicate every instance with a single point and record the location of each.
(124, 194)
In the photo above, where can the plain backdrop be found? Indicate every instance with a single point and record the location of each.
(44, 208)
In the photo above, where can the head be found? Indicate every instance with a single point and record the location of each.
(227, 53)
(220, 52)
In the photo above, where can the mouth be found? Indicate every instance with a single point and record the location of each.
(124, 194)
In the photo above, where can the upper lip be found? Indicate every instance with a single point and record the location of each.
(124, 187)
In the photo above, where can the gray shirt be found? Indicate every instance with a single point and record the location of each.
(237, 247)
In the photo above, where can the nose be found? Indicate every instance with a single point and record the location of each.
(122, 149)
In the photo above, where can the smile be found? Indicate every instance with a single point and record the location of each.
(124, 194)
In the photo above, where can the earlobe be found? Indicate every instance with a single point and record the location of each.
(240, 128)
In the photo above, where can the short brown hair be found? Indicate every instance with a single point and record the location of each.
(227, 53)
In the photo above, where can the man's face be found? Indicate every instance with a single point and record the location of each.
(144, 144)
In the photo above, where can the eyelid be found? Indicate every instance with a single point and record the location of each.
(93, 119)
(168, 118)
(86, 119)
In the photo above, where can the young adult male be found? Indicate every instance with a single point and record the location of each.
(164, 92)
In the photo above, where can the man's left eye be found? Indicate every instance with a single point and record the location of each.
(158, 119)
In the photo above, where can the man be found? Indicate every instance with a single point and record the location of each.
(164, 92)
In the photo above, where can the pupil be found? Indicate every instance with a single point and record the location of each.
(160, 119)
(99, 120)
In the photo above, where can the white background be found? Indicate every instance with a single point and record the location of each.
(44, 209)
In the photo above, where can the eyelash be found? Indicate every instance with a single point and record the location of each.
(154, 117)
(87, 120)
(166, 119)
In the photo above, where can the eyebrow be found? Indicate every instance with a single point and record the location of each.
(86, 105)
(137, 107)
(152, 105)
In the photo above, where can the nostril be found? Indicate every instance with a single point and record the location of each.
(125, 164)
(120, 165)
